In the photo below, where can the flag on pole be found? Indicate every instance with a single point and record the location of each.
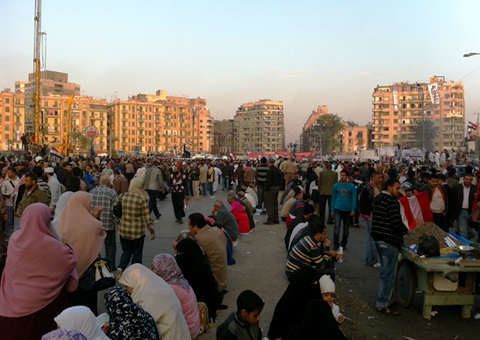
(472, 126)
(55, 152)
(415, 210)
(233, 155)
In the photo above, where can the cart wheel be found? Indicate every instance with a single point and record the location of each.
(405, 284)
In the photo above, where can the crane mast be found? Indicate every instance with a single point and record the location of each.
(36, 60)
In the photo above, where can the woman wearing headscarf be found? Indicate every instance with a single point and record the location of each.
(196, 270)
(135, 216)
(291, 307)
(39, 271)
(158, 299)
(318, 323)
(238, 210)
(179, 193)
(81, 319)
(64, 334)
(73, 185)
(85, 235)
(165, 266)
(127, 319)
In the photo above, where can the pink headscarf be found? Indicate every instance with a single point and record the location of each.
(84, 233)
(38, 266)
(237, 206)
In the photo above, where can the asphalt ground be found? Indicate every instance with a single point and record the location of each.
(260, 263)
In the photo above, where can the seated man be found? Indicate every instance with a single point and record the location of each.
(308, 252)
(297, 207)
(298, 194)
(226, 218)
(301, 219)
(303, 229)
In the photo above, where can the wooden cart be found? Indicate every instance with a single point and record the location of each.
(442, 283)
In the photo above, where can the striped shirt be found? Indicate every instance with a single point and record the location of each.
(306, 253)
(387, 225)
(135, 215)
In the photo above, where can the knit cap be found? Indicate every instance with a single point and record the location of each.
(326, 284)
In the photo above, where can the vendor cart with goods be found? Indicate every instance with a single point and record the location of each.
(447, 279)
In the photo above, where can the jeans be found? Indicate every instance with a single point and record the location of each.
(463, 223)
(341, 215)
(152, 202)
(371, 255)
(225, 183)
(261, 195)
(388, 256)
(188, 188)
(111, 248)
(204, 189)
(9, 227)
(210, 188)
(132, 249)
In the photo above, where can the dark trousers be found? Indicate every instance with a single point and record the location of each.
(111, 248)
(341, 215)
(441, 221)
(271, 203)
(84, 298)
(132, 249)
(322, 202)
(177, 201)
(204, 188)
(129, 176)
(282, 182)
(261, 195)
(152, 203)
(354, 219)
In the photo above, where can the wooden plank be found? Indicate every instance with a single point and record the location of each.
(469, 263)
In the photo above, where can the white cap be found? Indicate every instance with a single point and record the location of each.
(49, 170)
(38, 159)
(326, 284)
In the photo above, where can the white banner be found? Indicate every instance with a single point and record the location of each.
(395, 98)
(434, 95)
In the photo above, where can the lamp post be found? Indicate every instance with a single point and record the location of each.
(477, 141)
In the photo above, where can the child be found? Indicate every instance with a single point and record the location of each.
(243, 324)
(327, 288)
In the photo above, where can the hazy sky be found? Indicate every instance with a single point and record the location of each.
(305, 53)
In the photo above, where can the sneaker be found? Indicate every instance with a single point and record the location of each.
(356, 225)
(376, 265)
(118, 274)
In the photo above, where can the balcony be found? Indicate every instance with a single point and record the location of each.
(124, 119)
(124, 111)
(124, 143)
(141, 128)
(124, 135)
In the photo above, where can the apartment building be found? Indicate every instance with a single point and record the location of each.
(161, 123)
(398, 108)
(12, 119)
(308, 137)
(354, 138)
(223, 137)
(259, 127)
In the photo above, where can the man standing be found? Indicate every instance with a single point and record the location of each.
(226, 218)
(326, 180)
(203, 178)
(120, 183)
(438, 201)
(387, 232)
(442, 181)
(24, 142)
(260, 177)
(107, 171)
(225, 178)
(272, 188)
(54, 186)
(32, 194)
(8, 186)
(344, 204)
(153, 182)
(249, 172)
(196, 180)
(464, 198)
(105, 197)
(290, 169)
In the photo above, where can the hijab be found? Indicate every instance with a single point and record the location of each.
(82, 319)
(127, 319)
(64, 334)
(292, 305)
(84, 232)
(319, 323)
(135, 186)
(196, 270)
(167, 268)
(237, 206)
(158, 299)
(38, 266)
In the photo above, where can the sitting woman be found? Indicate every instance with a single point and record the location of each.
(81, 319)
(238, 210)
(158, 299)
(196, 270)
(39, 272)
(64, 334)
(127, 319)
(318, 323)
(165, 266)
(291, 307)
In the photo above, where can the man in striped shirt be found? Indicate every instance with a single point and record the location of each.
(310, 252)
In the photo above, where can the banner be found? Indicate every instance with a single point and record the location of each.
(395, 98)
(304, 154)
(253, 155)
(282, 153)
(434, 95)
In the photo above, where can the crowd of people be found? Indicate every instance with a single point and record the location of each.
(59, 214)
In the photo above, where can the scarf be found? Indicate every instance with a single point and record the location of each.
(167, 268)
(81, 319)
(127, 319)
(135, 186)
(38, 266)
(64, 334)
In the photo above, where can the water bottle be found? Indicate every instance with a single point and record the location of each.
(340, 252)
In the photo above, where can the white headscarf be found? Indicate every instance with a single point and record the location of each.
(157, 298)
(81, 318)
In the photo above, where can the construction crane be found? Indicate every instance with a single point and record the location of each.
(36, 60)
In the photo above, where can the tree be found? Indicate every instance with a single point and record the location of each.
(327, 129)
(425, 129)
(81, 139)
(10, 143)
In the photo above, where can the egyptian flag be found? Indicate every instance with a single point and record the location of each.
(55, 152)
(472, 126)
(415, 210)
(233, 156)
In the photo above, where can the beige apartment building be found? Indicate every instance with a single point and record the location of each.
(354, 138)
(161, 123)
(12, 119)
(398, 108)
(223, 137)
(259, 127)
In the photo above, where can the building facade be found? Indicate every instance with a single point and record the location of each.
(398, 109)
(308, 137)
(354, 138)
(259, 127)
(223, 137)
(12, 119)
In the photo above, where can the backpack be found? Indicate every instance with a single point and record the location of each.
(117, 207)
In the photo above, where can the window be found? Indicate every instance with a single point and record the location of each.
(395, 121)
(7, 100)
(84, 105)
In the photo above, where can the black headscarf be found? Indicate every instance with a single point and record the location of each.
(291, 308)
(319, 323)
(196, 269)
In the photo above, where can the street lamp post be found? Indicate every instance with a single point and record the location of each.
(477, 140)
